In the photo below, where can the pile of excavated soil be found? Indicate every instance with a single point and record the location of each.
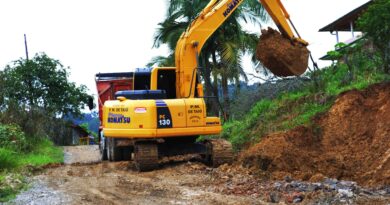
(349, 142)
(280, 55)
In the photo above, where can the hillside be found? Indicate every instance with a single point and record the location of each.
(349, 142)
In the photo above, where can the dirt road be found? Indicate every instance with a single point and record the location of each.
(85, 180)
(118, 183)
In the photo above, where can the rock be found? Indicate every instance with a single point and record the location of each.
(347, 184)
(330, 181)
(274, 197)
(345, 193)
(287, 178)
(277, 185)
(297, 200)
(295, 197)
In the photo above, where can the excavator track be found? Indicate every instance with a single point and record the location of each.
(146, 156)
(219, 151)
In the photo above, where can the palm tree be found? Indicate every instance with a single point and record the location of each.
(222, 53)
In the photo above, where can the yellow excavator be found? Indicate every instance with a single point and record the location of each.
(165, 112)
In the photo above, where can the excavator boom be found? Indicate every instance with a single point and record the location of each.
(209, 20)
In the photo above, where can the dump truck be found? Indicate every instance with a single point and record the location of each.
(164, 113)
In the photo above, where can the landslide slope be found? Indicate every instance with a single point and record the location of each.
(351, 141)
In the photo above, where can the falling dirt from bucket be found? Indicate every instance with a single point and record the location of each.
(280, 55)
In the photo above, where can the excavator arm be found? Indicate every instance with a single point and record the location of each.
(208, 21)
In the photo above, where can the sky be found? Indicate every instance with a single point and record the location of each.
(92, 36)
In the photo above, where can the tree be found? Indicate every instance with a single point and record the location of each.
(42, 82)
(375, 23)
(222, 52)
(38, 90)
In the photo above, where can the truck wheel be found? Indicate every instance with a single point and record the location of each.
(113, 152)
(103, 148)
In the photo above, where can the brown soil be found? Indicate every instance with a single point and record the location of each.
(280, 55)
(182, 180)
(350, 142)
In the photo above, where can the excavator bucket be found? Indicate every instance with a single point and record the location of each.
(282, 56)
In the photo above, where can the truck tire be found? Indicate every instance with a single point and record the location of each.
(113, 153)
(103, 148)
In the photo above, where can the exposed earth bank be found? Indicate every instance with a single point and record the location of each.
(349, 142)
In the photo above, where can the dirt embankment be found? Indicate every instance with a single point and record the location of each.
(350, 142)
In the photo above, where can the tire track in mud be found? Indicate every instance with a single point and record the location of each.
(119, 183)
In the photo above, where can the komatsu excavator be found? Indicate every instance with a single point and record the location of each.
(165, 113)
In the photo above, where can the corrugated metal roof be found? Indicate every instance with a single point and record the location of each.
(343, 23)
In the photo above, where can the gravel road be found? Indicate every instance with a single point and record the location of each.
(83, 179)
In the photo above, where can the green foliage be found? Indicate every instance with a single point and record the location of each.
(239, 132)
(292, 109)
(10, 185)
(37, 92)
(15, 164)
(7, 159)
(43, 82)
(44, 152)
(12, 137)
(222, 53)
(338, 52)
(375, 23)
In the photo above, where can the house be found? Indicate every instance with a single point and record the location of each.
(80, 135)
(346, 23)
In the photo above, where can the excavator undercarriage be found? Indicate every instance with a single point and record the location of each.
(147, 153)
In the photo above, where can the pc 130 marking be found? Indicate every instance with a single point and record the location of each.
(164, 118)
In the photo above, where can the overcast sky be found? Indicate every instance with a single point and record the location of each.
(93, 36)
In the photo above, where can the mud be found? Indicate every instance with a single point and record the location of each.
(280, 55)
(349, 142)
(179, 180)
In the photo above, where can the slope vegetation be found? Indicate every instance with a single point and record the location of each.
(351, 141)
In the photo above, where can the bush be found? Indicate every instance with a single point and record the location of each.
(12, 137)
(375, 23)
(7, 159)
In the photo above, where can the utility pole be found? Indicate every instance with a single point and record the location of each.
(25, 46)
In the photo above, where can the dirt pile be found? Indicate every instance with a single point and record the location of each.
(280, 55)
(350, 142)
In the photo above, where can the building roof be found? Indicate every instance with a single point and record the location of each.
(343, 23)
(351, 43)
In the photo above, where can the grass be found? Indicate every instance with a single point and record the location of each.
(44, 153)
(15, 165)
(297, 108)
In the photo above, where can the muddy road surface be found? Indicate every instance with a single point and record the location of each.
(85, 180)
